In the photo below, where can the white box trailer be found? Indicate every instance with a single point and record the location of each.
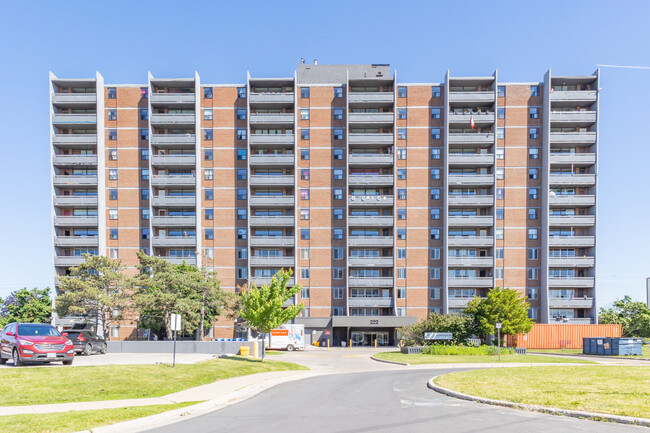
(286, 337)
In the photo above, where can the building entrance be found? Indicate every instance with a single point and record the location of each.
(367, 338)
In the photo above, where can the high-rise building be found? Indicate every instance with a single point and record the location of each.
(388, 200)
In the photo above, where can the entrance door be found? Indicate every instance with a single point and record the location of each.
(367, 338)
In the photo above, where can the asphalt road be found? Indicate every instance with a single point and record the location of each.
(379, 401)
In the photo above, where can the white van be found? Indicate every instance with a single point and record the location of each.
(286, 337)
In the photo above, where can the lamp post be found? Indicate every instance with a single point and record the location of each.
(498, 325)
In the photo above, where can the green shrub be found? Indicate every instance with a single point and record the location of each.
(438, 349)
(460, 325)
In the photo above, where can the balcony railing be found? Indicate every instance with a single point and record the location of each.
(571, 302)
(259, 281)
(283, 180)
(75, 221)
(471, 138)
(68, 260)
(466, 118)
(74, 118)
(172, 98)
(573, 158)
(371, 97)
(271, 118)
(271, 98)
(260, 139)
(371, 159)
(172, 119)
(585, 282)
(272, 241)
(572, 200)
(470, 282)
(470, 200)
(76, 241)
(173, 180)
(373, 262)
(75, 200)
(172, 139)
(173, 221)
(573, 96)
(74, 98)
(376, 302)
(470, 159)
(75, 160)
(81, 180)
(272, 200)
(370, 200)
(272, 160)
(470, 241)
(571, 241)
(371, 118)
(370, 241)
(74, 139)
(370, 281)
(173, 160)
(572, 180)
(573, 138)
(285, 261)
(481, 180)
(379, 180)
(573, 117)
(472, 97)
(180, 260)
(272, 221)
(471, 221)
(572, 220)
(571, 262)
(371, 139)
(470, 261)
(173, 241)
(173, 200)
(370, 221)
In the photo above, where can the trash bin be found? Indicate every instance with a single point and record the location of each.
(344, 344)
(244, 351)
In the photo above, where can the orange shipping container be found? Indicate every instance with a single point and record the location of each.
(552, 336)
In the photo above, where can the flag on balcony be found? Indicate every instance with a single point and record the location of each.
(471, 121)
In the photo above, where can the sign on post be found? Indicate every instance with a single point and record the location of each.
(438, 335)
(499, 325)
(176, 322)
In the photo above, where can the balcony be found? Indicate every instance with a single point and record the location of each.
(271, 98)
(577, 96)
(372, 262)
(571, 262)
(573, 138)
(471, 221)
(573, 118)
(370, 241)
(271, 139)
(180, 260)
(458, 302)
(61, 119)
(74, 98)
(163, 140)
(286, 261)
(479, 262)
(573, 158)
(272, 200)
(572, 180)
(259, 281)
(173, 241)
(470, 241)
(572, 200)
(571, 303)
(82, 180)
(271, 221)
(75, 160)
(74, 139)
(371, 97)
(173, 200)
(572, 220)
(571, 241)
(76, 221)
(483, 138)
(76, 241)
(272, 160)
(472, 97)
(162, 180)
(172, 98)
(371, 302)
(470, 282)
(272, 241)
(580, 282)
(173, 221)
(68, 260)
(471, 159)
(173, 160)
(172, 119)
(75, 200)
(371, 118)
(373, 180)
(470, 200)
(370, 200)
(371, 139)
(370, 281)
(571, 321)
(370, 221)
(473, 180)
(272, 180)
(271, 118)
(465, 118)
(371, 159)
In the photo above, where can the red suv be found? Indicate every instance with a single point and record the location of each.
(29, 342)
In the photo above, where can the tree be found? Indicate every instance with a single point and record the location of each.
(505, 306)
(93, 288)
(634, 317)
(263, 307)
(461, 326)
(27, 306)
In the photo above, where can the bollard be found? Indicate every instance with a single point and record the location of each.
(350, 343)
(328, 343)
(375, 343)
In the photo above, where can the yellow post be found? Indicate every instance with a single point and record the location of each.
(256, 350)
(350, 343)
(375, 343)
(328, 343)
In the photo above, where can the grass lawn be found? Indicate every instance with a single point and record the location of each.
(615, 390)
(646, 351)
(274, 352)
(447, 359)
(42, 385)
(66, 422)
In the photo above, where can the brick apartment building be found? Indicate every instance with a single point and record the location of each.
(388, 200)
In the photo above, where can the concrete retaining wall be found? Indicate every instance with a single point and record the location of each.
(211, 347)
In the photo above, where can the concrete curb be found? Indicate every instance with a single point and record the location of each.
(581, 355)
(389, 362)
(645, 422)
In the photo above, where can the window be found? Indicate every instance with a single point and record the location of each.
(401, 253)
(112, 174)
(434, 273)
(401, 134)
(498, 273)
(338, 194)
(145, 234)
(144, 114)
(337, 292)
(338, 114)
(401, 233)
(144, 194)
(304, 92)
(338, 153)
(242, 253)
(112, 234)
(401, 173)
(241, 214)
(500, 212)
(501, 113)
(112, 134)
(112, 114)
(304, 114)
(500, 193)
(144, 134)
(533, 113)
(304, 194)
(338, 174)
(115, 332)
(434, 233)
(401, 153)
(304, 174)
(532, 233)
(207, 134)
(207, 92)
(401, 273)
(209, 194)
(338, 92)
(338, 214)
(304, 273)
(145, 214)
(533, 173)
(241, 172)
(208, 174)
(434, 253)
(533, 153)
(242, 273)
(338, 311)
(338, 234)
(435, 113)
(304, 293)
(112, 93)
(144, 154)
(501, 152)
(241, 114)
(209, 234)
(207, 114)
(435, 91)
(304, 134)
(435, 213)
(534, 90)
(434, 293)
(241, 92)
(533, 274)
(435, 133)
(242, 233)
(209, 214)
(112, 214)
(401, 214)
(533, 253)
(112, 154)
(499, 253)
(532, 214)
(501, 133)
(401, 113)
(241, 194)
(401, 194)
(435, 193)
(498, 233)
(435, 153)
(532, 133)
(304, 253)
(241, 134)
(501, 91)
(112, 194)
(500, 173)
(304, 214)
(337, 253)
(241, 154)
(435, 173)
(338, 274)
(401, 92)
(338, 134)
(304, 234)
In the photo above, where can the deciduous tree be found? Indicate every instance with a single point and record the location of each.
(634, 317)
(27, 306)
(505, 306)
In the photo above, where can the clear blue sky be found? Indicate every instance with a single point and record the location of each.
(222, 40)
